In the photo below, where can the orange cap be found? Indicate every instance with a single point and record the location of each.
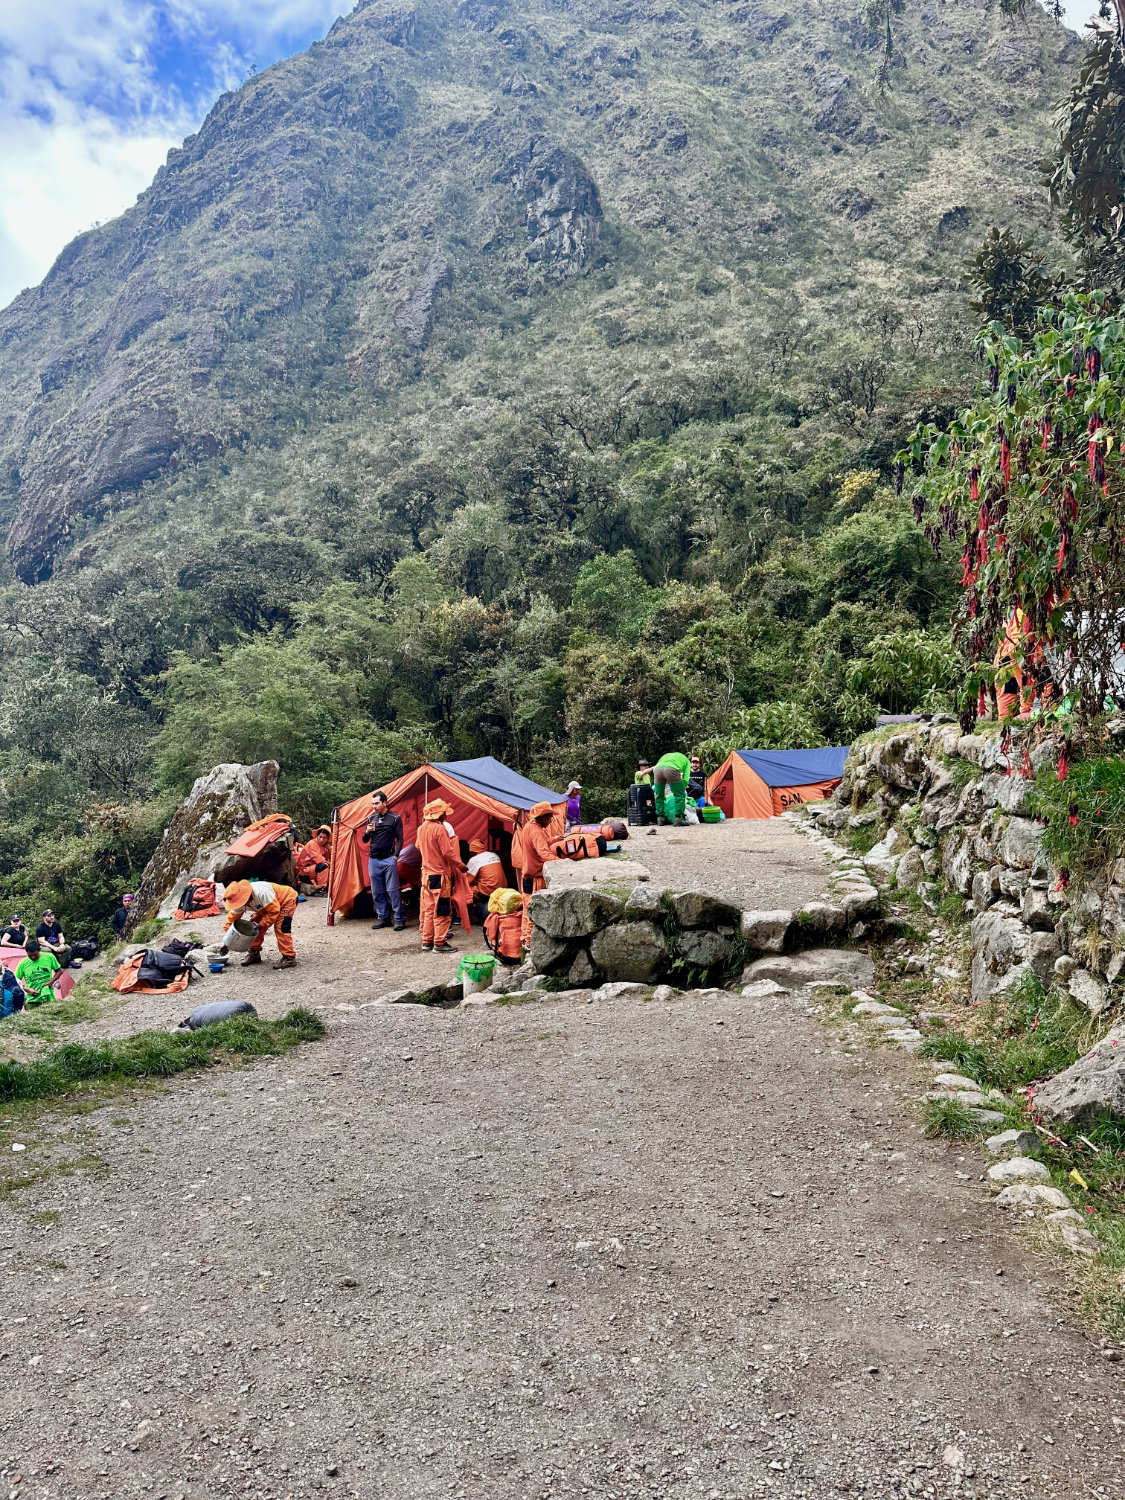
(433, 812)
(541, 810)
(237, 894)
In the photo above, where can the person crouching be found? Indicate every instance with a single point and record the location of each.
(269, 905)
(441, 859)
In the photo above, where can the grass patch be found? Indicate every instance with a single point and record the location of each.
(153, 1054)
(949, 1117)
(1027, 1034)
(149, 930)
(1094, 795)
(863, 840)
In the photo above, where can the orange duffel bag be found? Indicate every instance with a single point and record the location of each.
(502, 934)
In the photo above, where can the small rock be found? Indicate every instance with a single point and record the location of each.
(1078, 1241)
(1012, 1143)
(1031, 1195)
(958, 1081)
(953, 1458)
(970, 1099)
(876, 1008)
(906, 1036)
(664, 992)
(1018, 1169)
(766, 931)
(762, 989)
(1062, 1215)
(1064, 966)
(621, 990)
(987, 1116)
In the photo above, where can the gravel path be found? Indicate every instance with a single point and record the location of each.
(763, 865)
(621, 1249)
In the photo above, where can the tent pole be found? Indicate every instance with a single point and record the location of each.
(329, 914)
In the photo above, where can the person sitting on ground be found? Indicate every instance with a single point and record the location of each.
(697, 782)
(573, 805)
(36, 973)
(440, 863)
(486, 874)
(12, 997)
(311, 860)
(644, 773)
(121, 915)
(15, 934)
(50, 934)
(269, 905)
(670, 776)
(383, 837)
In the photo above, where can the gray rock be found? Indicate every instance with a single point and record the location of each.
(762, 989)
(860, 903)
(957, 862)
(630, 950)
(983, 890)
(1089, 991)
(399, 997)
(1013, 883)
(910, 869)
(957, 1081)
(971, 1100)
(574, 912)
(1013, 1143)
(1093, 1086)
(1078, 1241)
(549, 955)
(664, 992)
(1002, 944)
(646, 904)
(1037, 911)
(988, 1117)
(621, 990)
(506, 981)
(881, 862)
(794, 971)
(1031, 1195)
(414, 316)
(820, 919)
(1009, 793)
(582, 971)
(698, 909)
(900, 761)
(1018, 1169)
(1021, 846)
(703, 949)
(765, 931)
(876, 1008)
(1064, 966)
(906, 1036)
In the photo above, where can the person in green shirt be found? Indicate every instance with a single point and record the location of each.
(644, 773)
(669, 779)
(37, 973)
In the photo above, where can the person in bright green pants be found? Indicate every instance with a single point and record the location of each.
(670, 776)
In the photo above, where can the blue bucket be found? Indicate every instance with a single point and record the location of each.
(217, 968)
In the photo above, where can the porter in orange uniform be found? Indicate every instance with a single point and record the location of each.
(441, 860)
(270, 905)
(536, 850)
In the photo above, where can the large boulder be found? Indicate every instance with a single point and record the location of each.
(629, 950)
(765, 931)
(646, 904)
(550, 955)
(1004, 950)
(1021, 846)
(703, 949)
(881, 862)
(218, 808)
(697, 909)
(900, 760)
(820, 919)
(573, 912)
(793, 971)
(1093, 1086)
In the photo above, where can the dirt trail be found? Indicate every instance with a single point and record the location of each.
(622, 1249)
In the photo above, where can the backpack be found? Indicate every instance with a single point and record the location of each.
(502, 934)
(85, 948)
(180, 947)
(197, 899)
(505, 901)
(160, 969)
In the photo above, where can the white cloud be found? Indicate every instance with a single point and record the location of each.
(94, 92)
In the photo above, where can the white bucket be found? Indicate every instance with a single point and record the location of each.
(474, 986)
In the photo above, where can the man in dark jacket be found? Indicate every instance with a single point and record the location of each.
(383, 837)
(121, 915)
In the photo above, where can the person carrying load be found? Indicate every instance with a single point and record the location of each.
(669, 779)
(269, 905)
(441, 861)
(535, 850)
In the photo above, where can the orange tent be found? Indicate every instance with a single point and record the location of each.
(763, 783)
(489, 802)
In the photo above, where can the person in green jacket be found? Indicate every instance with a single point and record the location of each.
(670, 776)
(37, 973)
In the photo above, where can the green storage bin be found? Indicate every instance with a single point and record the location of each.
(710, 814)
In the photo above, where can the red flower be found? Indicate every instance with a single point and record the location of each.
(1064, 767)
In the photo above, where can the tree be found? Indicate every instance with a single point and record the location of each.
(1011, 286)
(1030, 480)
(611, 598)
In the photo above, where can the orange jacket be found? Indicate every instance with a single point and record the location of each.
(536, 849)
(440, 854)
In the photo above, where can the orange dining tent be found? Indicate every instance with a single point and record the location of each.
(763, 783)
(489, 802)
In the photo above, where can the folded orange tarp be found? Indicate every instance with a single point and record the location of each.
(265, 831)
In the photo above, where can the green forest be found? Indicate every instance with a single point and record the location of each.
(685, 539)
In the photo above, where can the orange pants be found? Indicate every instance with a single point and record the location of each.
(278, 915)
(434, 928)
(537, 884)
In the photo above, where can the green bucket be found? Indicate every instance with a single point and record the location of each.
(477, 967)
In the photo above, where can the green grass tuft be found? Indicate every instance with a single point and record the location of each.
(949, 1117)
(153, 1054)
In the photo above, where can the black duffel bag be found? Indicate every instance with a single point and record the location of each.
(160, 969)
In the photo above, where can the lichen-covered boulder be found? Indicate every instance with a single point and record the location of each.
(765, 931)
(629, 950)
(574, 912)
(697, 909)
(218, 808)
(1093, 1086)
(550, 955)
(900, 760)
(1022, 846)
(646, 904)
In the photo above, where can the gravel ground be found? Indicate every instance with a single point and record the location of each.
(623, 1249)
(763, 865)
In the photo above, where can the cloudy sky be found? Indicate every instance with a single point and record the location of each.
(93, 93)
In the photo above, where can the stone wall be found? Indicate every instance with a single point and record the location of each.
(953, 818)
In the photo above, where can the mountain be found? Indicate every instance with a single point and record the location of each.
(387, 249)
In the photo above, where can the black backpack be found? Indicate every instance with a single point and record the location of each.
(160, 969)
(181, 947)
(85, 948)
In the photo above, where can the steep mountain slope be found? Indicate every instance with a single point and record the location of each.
(377, 251)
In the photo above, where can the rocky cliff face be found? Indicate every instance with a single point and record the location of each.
(428, 184)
